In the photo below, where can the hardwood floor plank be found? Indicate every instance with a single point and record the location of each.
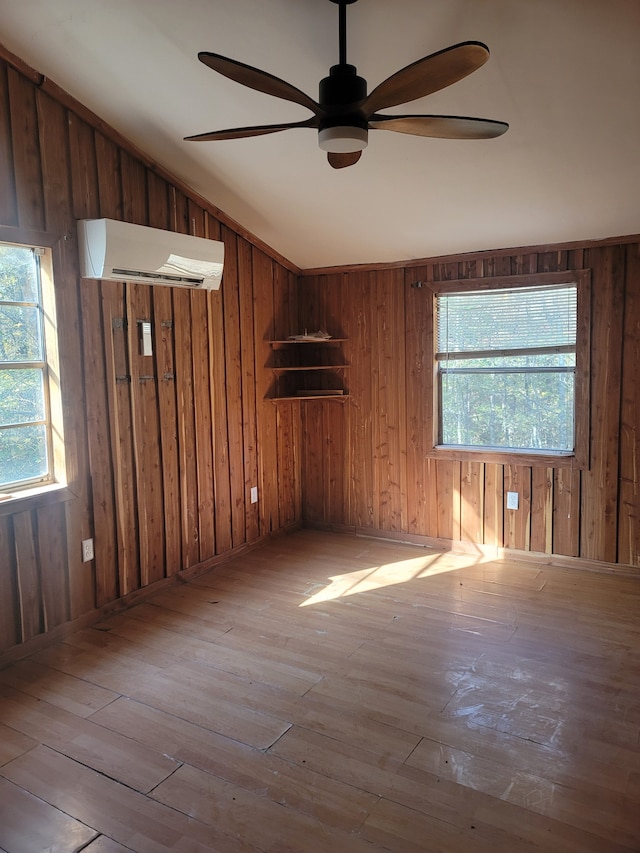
(267, 825)
(13, 744)
(105, 845)
(107, 752)
(71, 694)
(30, 825)
(126, 816)
(311, 793)
(329, 692)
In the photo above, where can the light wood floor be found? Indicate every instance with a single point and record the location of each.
(329, 694)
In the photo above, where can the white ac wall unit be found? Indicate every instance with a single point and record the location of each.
(119, 251)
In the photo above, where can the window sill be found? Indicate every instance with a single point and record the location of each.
(25, 500)
(545, 459)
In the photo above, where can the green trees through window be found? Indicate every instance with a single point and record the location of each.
(24, 417)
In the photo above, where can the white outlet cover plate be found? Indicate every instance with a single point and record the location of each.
(512, 500)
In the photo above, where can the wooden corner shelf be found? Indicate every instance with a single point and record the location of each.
(307, 369)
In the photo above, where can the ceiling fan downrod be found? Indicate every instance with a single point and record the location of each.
(341, 94)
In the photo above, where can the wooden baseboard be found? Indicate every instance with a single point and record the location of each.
(60, 632)
(487, 552)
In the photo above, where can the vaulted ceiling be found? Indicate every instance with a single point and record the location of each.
(564, 75)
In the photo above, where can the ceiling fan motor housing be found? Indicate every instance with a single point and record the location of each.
(343, 128)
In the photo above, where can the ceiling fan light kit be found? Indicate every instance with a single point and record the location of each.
(343, 139)
(345, 112)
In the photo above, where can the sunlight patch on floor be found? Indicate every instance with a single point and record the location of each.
(389, 574)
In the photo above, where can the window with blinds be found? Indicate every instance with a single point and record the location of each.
(506, 365)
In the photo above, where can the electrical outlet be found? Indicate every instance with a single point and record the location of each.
(87, 550)
(254, 494)
(512, 500)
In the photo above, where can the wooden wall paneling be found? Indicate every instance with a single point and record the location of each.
(472, 494)
(493, 265)
(147, 457)
(285, 323)
(517, 522)
(163, 328)
(55, 170)
(187, 464)
(575, 258)
(287, 414)
(469, 268)
(629, 500)
(553, 261)
(250, 401)
(361, 332)
(144, 397)
(10, 629)
(285, 303)
(314, 486)
(134, 189)
(100, 443)
(28, 575)
(421, 485)
(335, 463)
(26, 152)
(53, 560)
(524, 264)
(8, 198)
(210, 420)
(118, 376)
(339, 416)
(263, 324)
(493, 505)
(448, 473)
(566, 512)
(85, 201)
(390, 406)
(599, 516)
(163, 342)
(542, 481)
(84, 174)
(448, 502)
(233, 381)
(219, 412)
(109, 179)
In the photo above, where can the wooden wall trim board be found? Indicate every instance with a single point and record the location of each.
(162, 452)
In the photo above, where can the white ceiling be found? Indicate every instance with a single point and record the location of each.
(565, 74)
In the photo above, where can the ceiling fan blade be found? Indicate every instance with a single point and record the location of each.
(442, 127)
(341, 161)
(259, 80)
(427, 75)
(245, 132)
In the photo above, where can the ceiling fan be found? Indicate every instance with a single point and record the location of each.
(345, 113)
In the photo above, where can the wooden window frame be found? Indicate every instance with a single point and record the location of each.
(579, 459)
(55, 485)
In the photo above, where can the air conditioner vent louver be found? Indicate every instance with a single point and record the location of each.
(120, 251)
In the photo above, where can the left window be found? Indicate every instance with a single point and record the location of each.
(27, 457)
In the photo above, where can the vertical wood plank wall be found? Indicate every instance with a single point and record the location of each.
(162, 450)
(366, 459)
